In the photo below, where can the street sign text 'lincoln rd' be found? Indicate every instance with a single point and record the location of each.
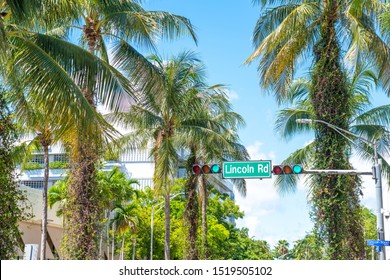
(246, 169)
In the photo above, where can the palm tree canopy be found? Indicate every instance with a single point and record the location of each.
(286, 33)
(367, 122)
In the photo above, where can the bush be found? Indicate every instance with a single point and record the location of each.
(58, 165)
(33, 166)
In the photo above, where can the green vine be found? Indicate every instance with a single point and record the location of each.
(82, 214)
(336, 199)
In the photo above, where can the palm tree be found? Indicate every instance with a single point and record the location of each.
(221, 143)
(115, 189)
(369, 122)
(126, 220)
(43, 63)
(323, 30)
(57, 194)
(281, 250)
(122, 22)
(50, 69)
(44, 131)
(384, 24)
(164, 118)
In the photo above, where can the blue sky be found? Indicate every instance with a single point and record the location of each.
(224, 29)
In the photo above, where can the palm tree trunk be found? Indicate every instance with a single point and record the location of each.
(133, 240)
(45, 145)
(167, 212)
(108, 233)
(83, 211)
(122, 247)
(84, 214)
(203, 197)
(113, 240)
(191, 210)
(191, 216)
(335, 198)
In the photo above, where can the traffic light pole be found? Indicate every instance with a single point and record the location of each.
(377, 176)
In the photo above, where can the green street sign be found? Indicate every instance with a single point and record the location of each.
(246, 169)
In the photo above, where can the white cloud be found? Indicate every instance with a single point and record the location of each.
(368, 184)
(255, 153)
(232, 95)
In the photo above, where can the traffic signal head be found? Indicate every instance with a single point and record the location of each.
(196, 169)
(206, 168)
(287, 169)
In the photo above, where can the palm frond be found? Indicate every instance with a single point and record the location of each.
(145, 76)
(51, 12)
(378, 115)
(299, 90)
(288, 183)
(286, 125)
(107, 82)
(240, 185)
(173, 26)
(53, 86)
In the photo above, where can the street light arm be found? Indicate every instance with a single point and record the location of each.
(338, 129)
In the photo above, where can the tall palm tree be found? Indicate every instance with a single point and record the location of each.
(220, 144)
(322, 31)
(44, 131)
(164, 118)
(370, 123)
(124, 24)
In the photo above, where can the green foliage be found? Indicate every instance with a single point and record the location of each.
(52, 165)
(224, 239)
(32, 166)
(113, 192)
(13, 207)
(58, 165)
(312, 247)
(369, 231)
(309, 248)
(281, 250)
(111, 155)
(336, 199)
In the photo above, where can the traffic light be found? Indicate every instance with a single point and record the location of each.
(287, 169)
(206, 169)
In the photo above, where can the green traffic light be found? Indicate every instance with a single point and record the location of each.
(297, 169)
(215, 168)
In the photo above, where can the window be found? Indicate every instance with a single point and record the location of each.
(60, 157)
(33, 184)
(38, 159)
